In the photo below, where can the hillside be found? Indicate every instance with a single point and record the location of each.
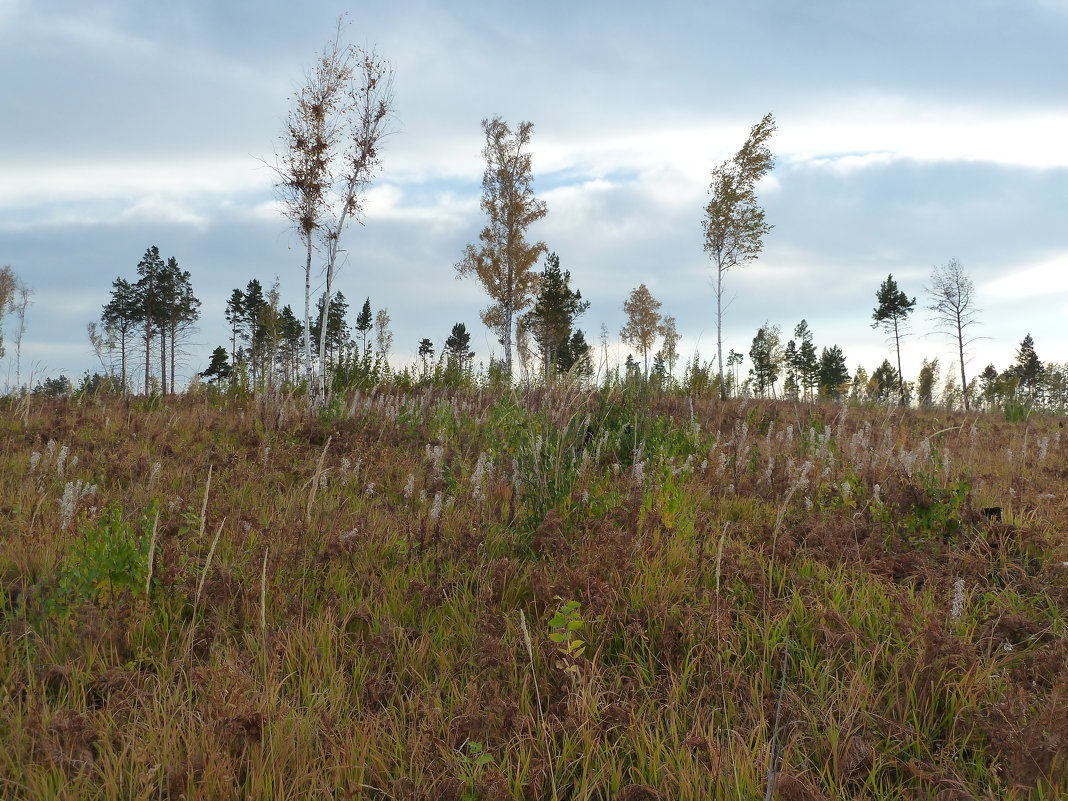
(561, 595)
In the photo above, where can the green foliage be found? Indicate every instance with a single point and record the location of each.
(474, 759)
(108, 560)
(546, 457)
(564, 626)
(938, 515)
(1016, 410)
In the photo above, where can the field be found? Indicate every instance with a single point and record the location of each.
(536, 595)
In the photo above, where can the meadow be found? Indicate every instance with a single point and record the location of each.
(547, 594)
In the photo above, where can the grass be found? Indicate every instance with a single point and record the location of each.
(550, 595)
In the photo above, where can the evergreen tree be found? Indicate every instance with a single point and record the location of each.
(147, 288)
(179, 309)
(364, 322)
(122, 314)
(576, 355)
(337, 334)
(290, 334)
(806, 363)
(886, 379)
(254, 306)
(551, 319)
(891, 315)
(925, 384)
(426, 353)
(458, 353)
(833, 373)
(1028, 369)
(989, 379)
(791, 386)
(235, 315)
(766, 356)
(219, 367)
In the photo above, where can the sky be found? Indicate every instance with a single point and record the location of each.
(909, 133)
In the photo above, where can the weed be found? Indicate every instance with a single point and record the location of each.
(109, 559)
(564, 626)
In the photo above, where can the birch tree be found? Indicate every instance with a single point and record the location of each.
(952, 296)
(331, 140)
(643, 322)
(734, 224)
(504, 261)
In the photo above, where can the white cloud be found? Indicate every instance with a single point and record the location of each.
(1040, 280)
(876, 130)
(92, 181)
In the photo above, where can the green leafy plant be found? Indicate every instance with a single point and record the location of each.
(565, 625)
(108, 560)
(474, 759)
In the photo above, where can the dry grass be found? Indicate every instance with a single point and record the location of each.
(373, 618)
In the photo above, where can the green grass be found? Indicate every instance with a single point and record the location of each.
(340, 643)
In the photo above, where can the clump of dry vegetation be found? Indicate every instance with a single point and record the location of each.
(551, 595)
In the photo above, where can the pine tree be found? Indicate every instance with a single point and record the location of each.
(1028, 369)
(458, 353)
(551, 320)
(149, 268)
(180, 309)
(235, 314)
(767, 357)
(122, 314)
(886, 379)
(364, 322)
(426, 353)
(892, 315)
(575, 356)
(806, 362)
(791, 386)
(219, 367)
(833, 373)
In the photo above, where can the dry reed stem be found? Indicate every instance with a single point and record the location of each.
(719, 555)
(315, 481)
(204, 504)
(537, 697)
(207, 566)
(263, 595)
(152, 552)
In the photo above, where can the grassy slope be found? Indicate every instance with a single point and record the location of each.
(362, 612)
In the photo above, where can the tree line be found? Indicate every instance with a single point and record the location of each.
(330, 152)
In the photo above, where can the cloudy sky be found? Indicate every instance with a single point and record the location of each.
(910, 133)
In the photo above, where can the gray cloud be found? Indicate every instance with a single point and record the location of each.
(910, 134)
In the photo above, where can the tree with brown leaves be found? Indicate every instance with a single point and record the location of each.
(643, 322)
(734, 224)
(504, 262)
(331, 151)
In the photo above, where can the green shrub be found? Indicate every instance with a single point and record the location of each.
(108, 560)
